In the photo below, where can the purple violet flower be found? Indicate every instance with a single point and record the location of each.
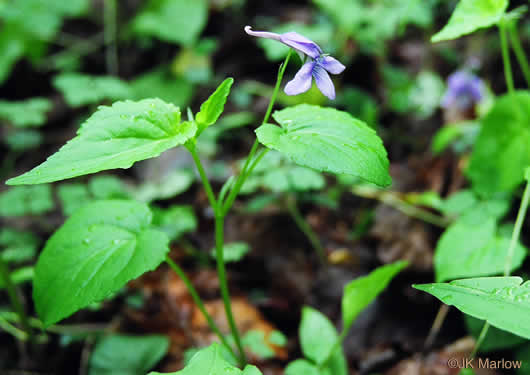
(317, 67)
(464, 90)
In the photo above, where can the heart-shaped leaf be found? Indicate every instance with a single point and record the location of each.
(97, 251)
(114, 137)
(328, 140)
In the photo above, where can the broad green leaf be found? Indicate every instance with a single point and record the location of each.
(30, 112)
(503, 301)
(212, 108)
(471, 15)
(107, 187)
(277, 338)
(127, 355)
(502, 150)
(233, 251)
(17, 246)
(328, 140)
(175, 220)
(472, 246)
(72, 197)
(26, 200)
(178, 21)
(97, 250)
(496, 339)
(114, 137)
(81, 89)
(254, 340)
(23, 139)
(359, 293)
(12, 48)
(210, 361)
(251, 370)
(167, 187)
(293, 178)
(318, 337)
(301, 367)
(459, 202)
(159, 83)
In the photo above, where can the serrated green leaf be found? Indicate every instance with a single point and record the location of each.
(210, 361)
(317, 338)
(127, 355)
(212, 108)
(82, 89)
(502, 150)
(251, 370)
(178, 21)
(527, 174)
(471, 15)
(292, 178)
(359, 293)
(459, 202)
(98, 249)
(328, 140)
(26, 200)
(503, 301)
(175, 220)
(114, 137)
(30, 112)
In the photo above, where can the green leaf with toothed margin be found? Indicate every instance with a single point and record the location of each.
(503, 301)
(114, 137)
(101, 247)
(328, 140)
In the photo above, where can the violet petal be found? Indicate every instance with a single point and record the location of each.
(332, 65)
(324, 82)
(302, 80)
(262, 34)
(301, 43)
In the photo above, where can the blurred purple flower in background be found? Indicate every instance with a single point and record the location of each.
(317, 67)
(464, 90)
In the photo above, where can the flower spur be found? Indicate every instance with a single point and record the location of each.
(317, 66)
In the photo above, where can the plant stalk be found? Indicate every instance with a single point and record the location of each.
(198, 301)
(110, 32)
(506, 58)
(14, 298)
(519, 51)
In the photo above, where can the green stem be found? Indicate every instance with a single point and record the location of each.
(11, 329)
(519, 51)
(110, 28)
(198, 301)
(508, 264)
(243, 174)
(517, 228)
(292, 207)
(14, 298)
(480, 339)
(506, 57)
(223, 284)
(335, 346)
(192, 148)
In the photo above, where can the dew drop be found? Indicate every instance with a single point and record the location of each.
(86, 241)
